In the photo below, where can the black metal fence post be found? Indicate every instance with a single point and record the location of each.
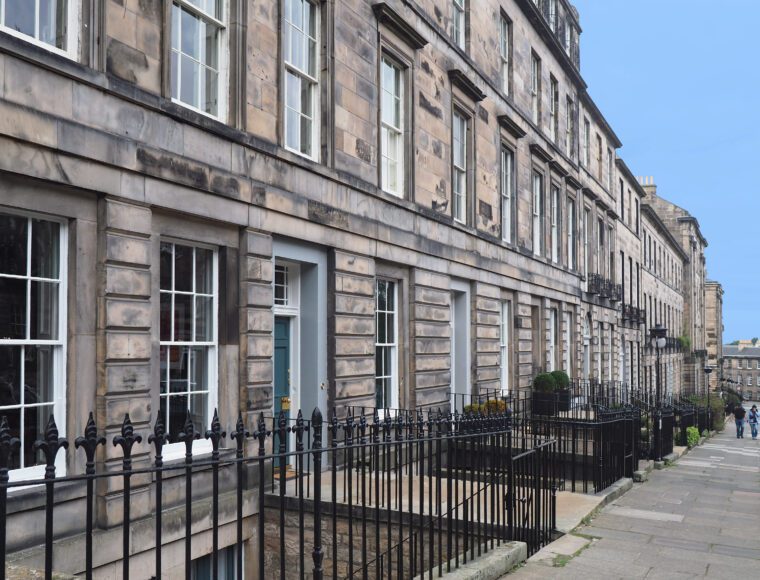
(261, 435)
(50, 447)
(126, 441)
(239, 435)
(316, 448)
(8, 446)
(215, 435)
(188, 436)
(89, 443)
(159, 438)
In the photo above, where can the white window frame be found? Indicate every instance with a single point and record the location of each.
(504, 341)
(314, 82)
(73, 29)
(552, 346)
(568, 39)
(173, 451)
(535, 88)
(586, 222)
(222, 52)
(391, 346)
(505, 41)
(507, 192)
(399, 131)
(554, 110)
(571, 250)
(586, 143)
(553, 15)
(566, 333)
(610, 171)
(569, 127)
(554, 223)
(459, 186)
(60, 345)
(538, 229)
(459, 8)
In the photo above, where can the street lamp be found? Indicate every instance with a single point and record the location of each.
(708, 370)
(657, 340)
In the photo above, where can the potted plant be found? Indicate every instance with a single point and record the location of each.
(544, 400)
(562, 390)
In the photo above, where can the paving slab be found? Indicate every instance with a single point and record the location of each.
(698, 518)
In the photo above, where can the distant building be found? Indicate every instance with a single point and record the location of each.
(662, 293)
(691, 280)
(741, 367)
(714, 325)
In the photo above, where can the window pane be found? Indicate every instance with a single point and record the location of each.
(189, 89)
(175, 75)
(183, 318)
(183, 268)
(199, 369)
(306, 135)
(19, 15)
(13, 311)
(35, 420)
(10, 375)
(204, 267)
(204, 319)
(38, 374)
(163, 356)
(381, 328)
(44, 311)
(199, 411)
(53, 19)
(13, 243)
(45, 251)
(166, 266)
(177, 413)
(391, 296)
(179, 367)
(191, 35)
(166, 316)
(297, 55)
(210, 87)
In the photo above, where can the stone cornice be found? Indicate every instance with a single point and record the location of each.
(540, 152)
(464, 84)
(511, 127)
(387, 16)
(559, 169)
(572, 182)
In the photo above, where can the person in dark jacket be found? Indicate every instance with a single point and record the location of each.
(739, 413)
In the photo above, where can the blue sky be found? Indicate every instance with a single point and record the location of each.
(679, 82)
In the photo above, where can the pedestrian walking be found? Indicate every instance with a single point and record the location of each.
(739, 414)
(753, 418)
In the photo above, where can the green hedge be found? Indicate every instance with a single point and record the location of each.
(692, 436)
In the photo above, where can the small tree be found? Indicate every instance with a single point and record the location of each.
(544, 383)
(561, 379)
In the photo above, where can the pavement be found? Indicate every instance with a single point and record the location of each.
(698, 518)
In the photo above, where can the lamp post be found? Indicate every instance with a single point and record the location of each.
(708, 370)
(657, 338)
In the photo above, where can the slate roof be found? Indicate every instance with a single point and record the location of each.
(734, 350)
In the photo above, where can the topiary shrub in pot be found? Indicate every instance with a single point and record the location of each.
(562, 390)
(544, 399)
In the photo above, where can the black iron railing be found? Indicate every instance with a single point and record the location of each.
(404, 495)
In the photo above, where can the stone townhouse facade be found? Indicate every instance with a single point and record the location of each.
(266, 206)
(714, 328)
(662, 294)
(686, 230)
(741, 364)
